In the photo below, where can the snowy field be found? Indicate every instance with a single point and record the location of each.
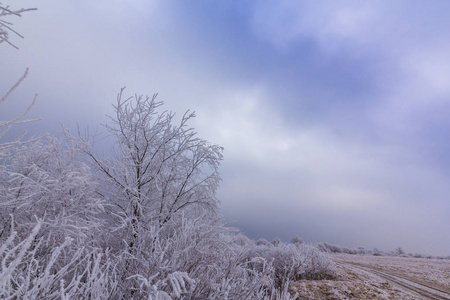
(381, 277)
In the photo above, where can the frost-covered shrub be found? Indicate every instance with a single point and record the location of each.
(325, 247)
(64, 273)
(196, 261)
(241, 240)
(263, 242)
(377, 252)
(294, 262)
(60, 258)
(297, 240)
(361, 250)
(334, 248)
(42, 179)
(399, 251)
(352, 251)
(277, 242)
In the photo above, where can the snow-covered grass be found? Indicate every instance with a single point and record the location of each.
(434, 272)
(62, 273)
(357, 278)
(350, 283)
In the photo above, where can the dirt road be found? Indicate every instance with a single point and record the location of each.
(425, 291)
(369, 277)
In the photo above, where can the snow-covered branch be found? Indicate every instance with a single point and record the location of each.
(6, 27)
(5, 126)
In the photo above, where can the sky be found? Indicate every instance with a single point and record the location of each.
(334, 115)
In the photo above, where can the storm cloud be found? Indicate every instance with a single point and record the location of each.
(333, 116)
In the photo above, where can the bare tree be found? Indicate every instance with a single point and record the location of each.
(158, 169)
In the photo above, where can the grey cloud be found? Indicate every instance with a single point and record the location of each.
(311, 146)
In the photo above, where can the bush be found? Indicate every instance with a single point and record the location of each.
(262, 242)
(297, 240)
(350, 251)
(325, 247)
(27, 272)
(277, 242)
(44, 180)
(399, 251)
(294, 262)
(194, 261)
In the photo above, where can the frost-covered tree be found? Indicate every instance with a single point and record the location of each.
(159, 173)
(399, 251)
(263, 242)
(277, 242)
(159, 170)
(297, 240)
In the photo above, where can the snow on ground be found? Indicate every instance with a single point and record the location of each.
(351, 282)
(431, 272)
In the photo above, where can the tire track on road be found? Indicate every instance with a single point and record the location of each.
(408, 284)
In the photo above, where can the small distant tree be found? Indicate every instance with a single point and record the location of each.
(277, 242)
(377, 252)
(262, 242)
(399, 251)
(297, 240)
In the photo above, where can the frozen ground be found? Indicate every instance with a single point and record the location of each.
(381, 277)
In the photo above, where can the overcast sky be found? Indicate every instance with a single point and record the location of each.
(334, 115)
